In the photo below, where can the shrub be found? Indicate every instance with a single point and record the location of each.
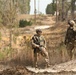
(51, 8)
(24, 23)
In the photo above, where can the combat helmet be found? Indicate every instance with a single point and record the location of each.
(71, 22)
(38, 30)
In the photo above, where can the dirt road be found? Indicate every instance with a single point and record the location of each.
(67, 68)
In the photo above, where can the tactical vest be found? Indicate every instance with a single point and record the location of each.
(70, 36)
(39, 40)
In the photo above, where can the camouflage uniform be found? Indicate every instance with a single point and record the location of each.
(36, 40)
(70, 41)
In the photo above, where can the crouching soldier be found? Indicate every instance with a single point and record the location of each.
(70, 38)
(39, 46)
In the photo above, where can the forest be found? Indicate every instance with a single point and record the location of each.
(18, 26)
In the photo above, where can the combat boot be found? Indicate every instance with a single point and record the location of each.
(47, 65)
(36, 66)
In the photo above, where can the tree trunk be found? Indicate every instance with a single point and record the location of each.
(73, 8)
(35, 10)
(53, 6)
(56, 11)
(63, 11)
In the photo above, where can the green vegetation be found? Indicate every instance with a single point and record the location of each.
(9, 10)
(24, 23)
(51, 8)
(1, 55)
(5, 53)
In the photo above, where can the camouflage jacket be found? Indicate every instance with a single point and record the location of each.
(70, 35)
(36, 40)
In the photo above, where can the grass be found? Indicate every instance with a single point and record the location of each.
(0, 36)
(2, 56)
(5, 53)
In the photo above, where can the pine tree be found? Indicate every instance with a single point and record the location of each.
(73, 7)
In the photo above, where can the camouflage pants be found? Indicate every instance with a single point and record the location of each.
(71, 49)
(41, 51)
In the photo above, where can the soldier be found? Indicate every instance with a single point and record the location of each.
(39, 46)
(70, 38)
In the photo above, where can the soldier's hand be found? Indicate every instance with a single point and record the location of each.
(70, 43)
(45, 47)
(37, 46)
(73, 51)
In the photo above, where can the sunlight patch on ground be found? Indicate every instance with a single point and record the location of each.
(37, 70)
(43, 27)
